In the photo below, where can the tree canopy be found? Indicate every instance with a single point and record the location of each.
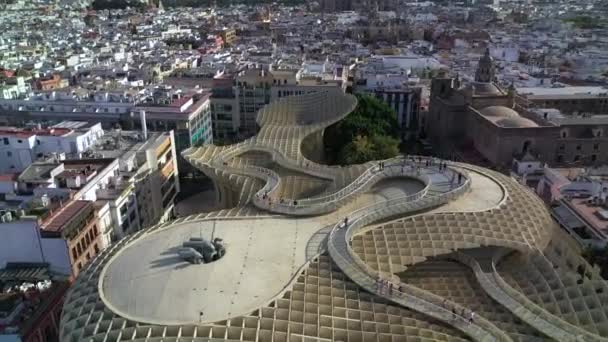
(370, 132)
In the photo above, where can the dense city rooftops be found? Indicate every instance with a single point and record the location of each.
(66, 214)
(27, 292)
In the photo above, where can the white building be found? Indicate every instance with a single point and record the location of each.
(21, 147)
(13, 91)
(132, 182)
(24, 243)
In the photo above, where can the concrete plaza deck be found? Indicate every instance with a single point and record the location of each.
(148, 282)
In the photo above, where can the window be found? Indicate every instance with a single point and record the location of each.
(578, 147)
(562, 147)
(9, 153)
(564, 134)
(20, 141)
(559, 159)
(74, 253)
(6, 141)
(594, 157)
(37, 142)
(596, 147)
(577, 158)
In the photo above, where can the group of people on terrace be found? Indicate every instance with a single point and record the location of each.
(416, 162)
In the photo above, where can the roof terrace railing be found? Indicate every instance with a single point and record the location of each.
(413, 297)
(523, 307)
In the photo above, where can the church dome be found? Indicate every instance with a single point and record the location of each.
(499, 111)
(518, 122)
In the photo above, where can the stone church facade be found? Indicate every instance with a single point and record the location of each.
(500, 127)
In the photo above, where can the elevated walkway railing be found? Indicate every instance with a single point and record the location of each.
(331, 202)
(523, 307)
(267, 199)
(411, 296)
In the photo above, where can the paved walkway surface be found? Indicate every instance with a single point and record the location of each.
(481, 260)
(263, 255)
(418, 300)
(413, 301)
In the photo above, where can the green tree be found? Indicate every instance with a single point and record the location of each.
(370, 132)
(363, 149)
(385, 147)
(357, 151)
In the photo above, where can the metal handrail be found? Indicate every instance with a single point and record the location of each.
(415, 296)
(553, 326)
(374, 212)
(325, 203)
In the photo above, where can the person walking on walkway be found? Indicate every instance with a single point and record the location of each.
(471, 317)
(459, 179)
(390, 289)
(345, 222)
(378, 284)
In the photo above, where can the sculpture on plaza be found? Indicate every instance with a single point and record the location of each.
(199, 249)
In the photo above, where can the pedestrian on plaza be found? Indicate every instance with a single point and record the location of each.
(345, 222)
(471, 317)
(459, 178)
(390, 289)
(378, 283)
